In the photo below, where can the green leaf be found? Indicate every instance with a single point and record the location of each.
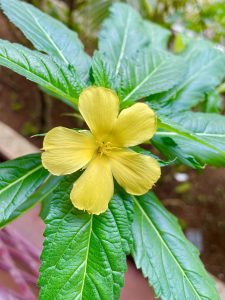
(38, 68)
(213, 102)
(101, 71)
(158, 35)
(19, 178)
(122, 35)
(154, 71)
(200, 139)
(43, 194)
(48, 35)
(206, 69)
(84, 255)
(161, 162)
(40, 195)
(167, 259)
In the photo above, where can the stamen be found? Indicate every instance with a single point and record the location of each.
(105, 147)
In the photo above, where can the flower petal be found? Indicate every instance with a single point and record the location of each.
(99, 107)
(94, 189)
(136, 173)
(134, 126)
(66, 150)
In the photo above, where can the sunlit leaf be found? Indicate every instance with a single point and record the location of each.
(84, 255)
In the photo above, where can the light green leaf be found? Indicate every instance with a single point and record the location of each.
(213, 103)
(84, 255)
(154, 71)
(158, 35)
(206, 69)
(19, 178)
(167, 259)
(122, 35)
(101, 71)
(38, 68)
(48, 35)
(199, 139)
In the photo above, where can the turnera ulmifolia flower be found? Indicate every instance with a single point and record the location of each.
(103, 152)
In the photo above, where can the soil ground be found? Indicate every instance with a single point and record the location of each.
(199, 203)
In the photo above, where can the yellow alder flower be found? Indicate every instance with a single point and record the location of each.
(103, 151)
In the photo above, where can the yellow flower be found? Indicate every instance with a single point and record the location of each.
(103, 151)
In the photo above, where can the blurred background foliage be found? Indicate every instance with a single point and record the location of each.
(204, 17)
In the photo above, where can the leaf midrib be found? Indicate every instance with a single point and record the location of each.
(86, 259)
(122, 50)
(47, 83)
(142, 82)
(196, 133)
(165, 245)
(194, 138)
(21, 178)
(190, 79)
(45, 33)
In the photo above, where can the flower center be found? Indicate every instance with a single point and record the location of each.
(104, 148)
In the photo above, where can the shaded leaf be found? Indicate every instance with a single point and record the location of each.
(158, 35)
(19, 178)
(167, 259)
(195, 138)
(206, 69)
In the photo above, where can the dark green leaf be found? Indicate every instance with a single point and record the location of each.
(193, 137)
(167, 259)
(37, 67)
(84, 255)
(48, 34)
(19, 178)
